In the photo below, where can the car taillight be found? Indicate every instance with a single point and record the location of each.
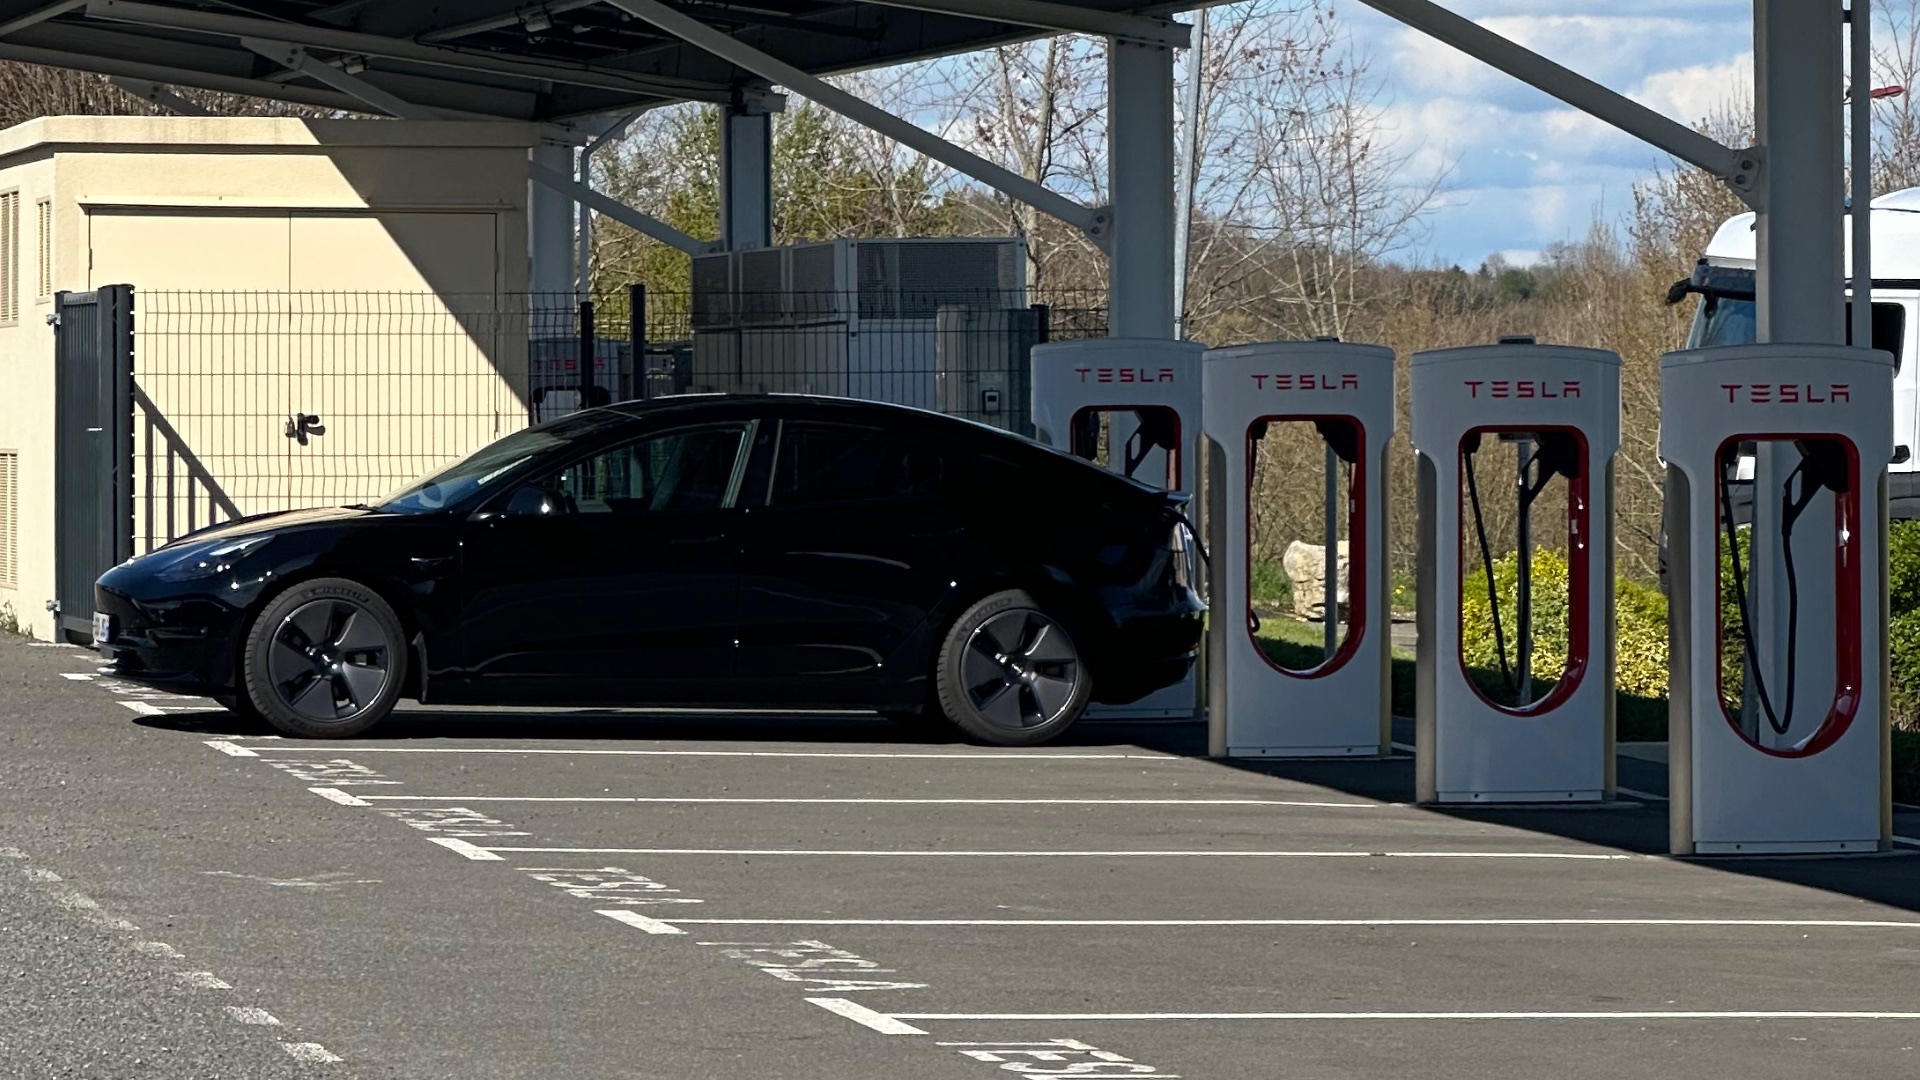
(1185, 573)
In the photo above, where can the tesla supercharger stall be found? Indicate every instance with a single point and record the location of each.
(1776, 515)
(1330, 408)
(1546, 420)
(1136, 403)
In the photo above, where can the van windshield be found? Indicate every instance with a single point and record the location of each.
(1724, 320)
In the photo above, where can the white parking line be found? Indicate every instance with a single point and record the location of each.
(203, 980)
(865, 1017)
(879, 802)
(461, 847)
(338, 796)
(1642, 1015)
(1581, 856)
(230, 749)
(641, 922)
(246, 1015)
(292, 748)
(313, 1053)
(1834, 923)
(1908, 840)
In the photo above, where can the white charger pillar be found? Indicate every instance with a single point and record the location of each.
(1330, 705)
(1778, 725)
(1561, 406)
(1148, 390)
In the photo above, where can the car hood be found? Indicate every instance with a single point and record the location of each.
(274, 522)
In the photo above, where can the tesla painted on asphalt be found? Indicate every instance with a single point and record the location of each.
(733, 551)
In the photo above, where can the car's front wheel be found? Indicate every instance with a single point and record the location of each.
(325, 660)
(1009, 673)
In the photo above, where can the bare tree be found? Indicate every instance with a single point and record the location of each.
(29, 91)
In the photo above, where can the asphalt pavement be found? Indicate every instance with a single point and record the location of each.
(498, 893)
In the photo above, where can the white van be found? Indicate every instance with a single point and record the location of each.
(1724, 281)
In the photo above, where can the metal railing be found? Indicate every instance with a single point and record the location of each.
(176, 488)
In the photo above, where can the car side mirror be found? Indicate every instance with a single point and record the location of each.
(1902, 454)
(533, 502)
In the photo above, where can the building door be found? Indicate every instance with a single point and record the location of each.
(93, 447)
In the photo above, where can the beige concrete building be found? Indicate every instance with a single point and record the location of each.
(354, 270)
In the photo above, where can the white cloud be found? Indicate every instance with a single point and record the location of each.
(1525, 171)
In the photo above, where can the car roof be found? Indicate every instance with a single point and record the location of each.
(983, 436)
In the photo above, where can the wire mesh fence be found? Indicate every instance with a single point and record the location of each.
(263, 401)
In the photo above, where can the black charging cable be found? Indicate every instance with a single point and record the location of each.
(1470, 446)
(1822, 465)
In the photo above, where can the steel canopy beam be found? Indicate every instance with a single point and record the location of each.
(160, 96)
(503, 20)
(619, 211)
(1739, 168)
(1091, 221)
(199, 80)
(295, 58)
(39, 15)
(239, 26)
(1062, 18)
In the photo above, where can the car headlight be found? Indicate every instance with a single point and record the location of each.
(212, 560)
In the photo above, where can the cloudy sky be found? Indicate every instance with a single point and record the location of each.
(1524, 170)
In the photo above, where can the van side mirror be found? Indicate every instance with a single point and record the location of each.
(1902, 454)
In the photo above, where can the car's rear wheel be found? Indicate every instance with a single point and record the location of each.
(325, 660)
(1009, 673)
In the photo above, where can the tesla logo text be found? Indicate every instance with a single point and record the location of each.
(1126, 374)
(1524, 388)
(1308, 381)
(1786, 393)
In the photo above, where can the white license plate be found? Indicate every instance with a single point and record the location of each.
(102, 628)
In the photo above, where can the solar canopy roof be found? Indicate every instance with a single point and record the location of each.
(514, 59)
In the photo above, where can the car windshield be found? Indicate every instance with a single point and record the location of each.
(488, 464)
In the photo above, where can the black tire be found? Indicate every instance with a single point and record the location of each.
(1009, 674)
(325, 660)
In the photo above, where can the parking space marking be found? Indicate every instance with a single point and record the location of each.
(230, 749)
(879, 802)
(248, 1015)
(461, 847)
(203, 980)
(1888, 924)
(641, 922)
(1907, 840)
(292, 748)
(865, 1017)
(864, 853)
(312, 1053)
(1640, 1015)
(338, 796)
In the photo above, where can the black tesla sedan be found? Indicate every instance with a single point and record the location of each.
(709, 550)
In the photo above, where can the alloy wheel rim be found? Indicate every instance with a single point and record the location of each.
(329, 660)
(1020, 670)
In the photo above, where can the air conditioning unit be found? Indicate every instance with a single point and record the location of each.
(855, 318)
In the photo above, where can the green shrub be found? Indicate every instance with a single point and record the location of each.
(1906, 766)
(1640, 641)
(1903, 567)
(1549, 655)
(1903, 663)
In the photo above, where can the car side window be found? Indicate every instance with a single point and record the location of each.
(818, 464)
(675, 471)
